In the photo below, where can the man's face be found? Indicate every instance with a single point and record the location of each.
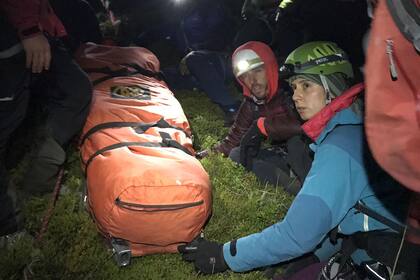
(256, 81)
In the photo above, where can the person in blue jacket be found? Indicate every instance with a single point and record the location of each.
(338, 179)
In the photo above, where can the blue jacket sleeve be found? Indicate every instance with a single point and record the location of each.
(298, 233)
(324, 200)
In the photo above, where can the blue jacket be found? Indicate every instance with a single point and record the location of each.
(336, 181)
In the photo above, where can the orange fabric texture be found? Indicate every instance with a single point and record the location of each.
(91, 55)
(154, 197)
(393, 107)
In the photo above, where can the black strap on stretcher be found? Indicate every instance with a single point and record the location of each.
(140, 127)
(362, 208)
(167, 141)
(123, 72)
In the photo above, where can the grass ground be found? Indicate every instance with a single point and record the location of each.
(72, 248)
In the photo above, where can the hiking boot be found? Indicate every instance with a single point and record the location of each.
(293, 184)
(230, 112)
(11, 224)
(9, 240)
(287, 180)
(229, 118)
(44, 166)
(11, 218)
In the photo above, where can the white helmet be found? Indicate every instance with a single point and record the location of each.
(244, 61)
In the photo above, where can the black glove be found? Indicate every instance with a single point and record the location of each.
(206, 255)
(202, 154)
(250, 145)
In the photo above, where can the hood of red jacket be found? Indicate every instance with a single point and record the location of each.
(270, 65)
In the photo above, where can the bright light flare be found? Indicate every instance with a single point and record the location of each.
(243, 65)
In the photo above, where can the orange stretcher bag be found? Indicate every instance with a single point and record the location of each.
(145, 189)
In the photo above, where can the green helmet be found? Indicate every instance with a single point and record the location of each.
(321, 57)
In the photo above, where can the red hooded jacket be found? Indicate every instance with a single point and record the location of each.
(31, 17)
(275, 118)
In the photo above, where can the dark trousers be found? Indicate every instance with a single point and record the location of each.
(212, 71)
(273, 165)
(65, 96)
(177, 81)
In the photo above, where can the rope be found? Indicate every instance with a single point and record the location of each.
(50, 210)
(27, 272)
(398, 254)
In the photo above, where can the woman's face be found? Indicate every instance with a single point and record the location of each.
(309, 98)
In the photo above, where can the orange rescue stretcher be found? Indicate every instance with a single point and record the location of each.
(145, 189)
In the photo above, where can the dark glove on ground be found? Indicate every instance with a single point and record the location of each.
(202, 154)
(206, 255)
(250, 145)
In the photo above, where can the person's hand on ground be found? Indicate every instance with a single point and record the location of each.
(207, 256)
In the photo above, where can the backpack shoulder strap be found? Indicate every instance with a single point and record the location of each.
(407, 17)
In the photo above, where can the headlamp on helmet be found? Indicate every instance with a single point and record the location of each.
(243, 65)
(244, 61)
(322, 58)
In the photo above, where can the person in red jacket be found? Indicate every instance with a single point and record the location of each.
(32, 52)
(265, 112)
